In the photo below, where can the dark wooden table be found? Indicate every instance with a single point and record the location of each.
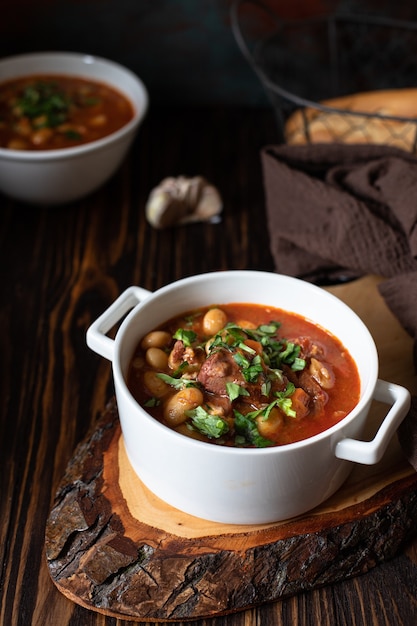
(60, 268)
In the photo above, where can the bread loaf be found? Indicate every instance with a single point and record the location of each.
(309, 125)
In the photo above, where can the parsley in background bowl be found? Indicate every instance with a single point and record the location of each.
(57, 157)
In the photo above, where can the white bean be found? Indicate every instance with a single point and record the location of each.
(177, 405)
(270, 428)
(156, 339)
(157, 358)
(245, 324)
(156, 387)
(213, 321)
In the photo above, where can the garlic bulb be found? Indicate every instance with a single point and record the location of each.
(182, 200)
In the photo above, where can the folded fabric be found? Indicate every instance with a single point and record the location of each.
(338, 211)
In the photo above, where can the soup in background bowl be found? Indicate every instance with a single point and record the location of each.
(244, 485)
(54, 111)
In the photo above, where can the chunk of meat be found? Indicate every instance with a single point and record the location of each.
(217, 370)
(185, 354)
(311, 386)
(322, 373)
(219, 405)
(308, 347)
(300, 403)
(176, 356)
(304, 380)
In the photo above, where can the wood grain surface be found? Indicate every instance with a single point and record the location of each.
(60, 269)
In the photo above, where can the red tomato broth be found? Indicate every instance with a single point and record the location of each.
(47, 112)
(342, 397)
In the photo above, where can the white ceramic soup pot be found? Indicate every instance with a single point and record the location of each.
(244, 485)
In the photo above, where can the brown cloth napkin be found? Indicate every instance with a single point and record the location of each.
(339, 211)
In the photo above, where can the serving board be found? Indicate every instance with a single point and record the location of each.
(114, 547)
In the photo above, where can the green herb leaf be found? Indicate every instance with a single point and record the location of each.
(72, 134)
(290, 356)
(90, 101)
(228, 337)
(298, 364)
(250, 369)
(242, 361)
(234, 391)
(186, 336)
(44, 100)
(177, 383)
(210, 425)
(151, 402)
(269, 329)
(180, 368)
(246, 348)
(266, 412)
(266, 388)
(255, 368)
(247, 431)
(284, 401)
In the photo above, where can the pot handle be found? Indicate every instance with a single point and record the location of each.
(96, 337)
(370, 452)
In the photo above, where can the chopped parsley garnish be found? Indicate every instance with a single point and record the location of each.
(276, 352)
(45, 101)
(241, 360)
(72, 134)
(253, 369)
(152, 402)
(177, 383)
(186, 336)
(234, 391)
(211, 426)
(90, 101)
(230, 337)
(266, 388)
(247, 432)
(183, 366)
(284, 401)
(290, 356)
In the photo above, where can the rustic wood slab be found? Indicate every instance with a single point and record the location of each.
(114, 547)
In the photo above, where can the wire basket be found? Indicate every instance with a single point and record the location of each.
(348, 78)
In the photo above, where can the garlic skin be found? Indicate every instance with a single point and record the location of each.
(182, 200)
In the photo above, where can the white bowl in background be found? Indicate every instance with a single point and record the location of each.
(49, 177)
(241, 485)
